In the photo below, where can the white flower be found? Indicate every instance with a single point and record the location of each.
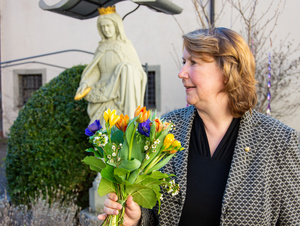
(153, 146)
(120, 144)
(113, 147)
(175, 193)
(119, 159)
(147, 156)
(147, 142)
(146, 147)
(95, 149)
(109, 157)
(153, 150)
(161, 197)
(114, 154)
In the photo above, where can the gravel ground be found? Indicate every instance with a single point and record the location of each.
(3, 181)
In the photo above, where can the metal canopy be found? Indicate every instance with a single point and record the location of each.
(85, 9)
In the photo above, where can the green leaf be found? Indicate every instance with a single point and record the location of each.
(125, 150)
(108, 173)
(120, 174)
(130, 131)
(98, 154)
(152, 131)
(95, 164)
(130, 165)
(105, 187)
(133, 176)
(159, 175)
(108, 148)
(117, 137)
(151, 183)
(145, 198)
(138, 149)
(133, 188)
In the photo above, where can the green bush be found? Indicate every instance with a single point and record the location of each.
(46, 142)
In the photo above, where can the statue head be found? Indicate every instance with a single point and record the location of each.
(106, 30)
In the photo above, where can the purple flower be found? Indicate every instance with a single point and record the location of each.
(93, 128)
(144, 128)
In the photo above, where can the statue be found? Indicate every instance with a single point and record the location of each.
(115, 78)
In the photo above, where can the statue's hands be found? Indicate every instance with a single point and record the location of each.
(132, 210)
(81, 88)
(82, 91)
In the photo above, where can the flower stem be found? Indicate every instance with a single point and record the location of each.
(131, 142)
(154, 162)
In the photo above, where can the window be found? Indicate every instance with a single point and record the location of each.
(25, 83)
(152, 93)
(28, 83)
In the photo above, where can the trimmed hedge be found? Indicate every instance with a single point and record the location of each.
(46, 142)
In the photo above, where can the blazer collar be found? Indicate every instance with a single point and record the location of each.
(247, 143)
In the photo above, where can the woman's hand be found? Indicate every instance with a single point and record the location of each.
(132, 210)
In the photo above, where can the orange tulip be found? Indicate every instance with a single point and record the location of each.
(123, 122)
(158, 125)
(142, 113)
(166, 124)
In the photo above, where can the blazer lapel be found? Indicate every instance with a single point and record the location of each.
(245, 149)
(183, 134)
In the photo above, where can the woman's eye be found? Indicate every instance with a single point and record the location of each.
(193, 62)
(183, 62)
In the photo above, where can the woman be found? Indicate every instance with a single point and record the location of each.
(239, 167)
(115, 75)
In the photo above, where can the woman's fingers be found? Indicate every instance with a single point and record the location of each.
(102, 216)
(111, 206)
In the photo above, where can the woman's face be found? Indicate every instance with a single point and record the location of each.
(202, 80)
(108, 29)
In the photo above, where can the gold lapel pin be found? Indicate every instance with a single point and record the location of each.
(246, 150)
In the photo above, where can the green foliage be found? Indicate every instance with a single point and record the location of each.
(46, 142)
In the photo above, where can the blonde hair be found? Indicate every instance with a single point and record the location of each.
(235, 59)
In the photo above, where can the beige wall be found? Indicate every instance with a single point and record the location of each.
(27, 30)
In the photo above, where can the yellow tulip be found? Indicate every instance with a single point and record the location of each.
(107, 115)
(113, 119)
(176, 144)
(168, 140)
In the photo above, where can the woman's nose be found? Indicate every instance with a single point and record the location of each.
(183, 73)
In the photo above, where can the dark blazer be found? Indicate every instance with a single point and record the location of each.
(263, 186)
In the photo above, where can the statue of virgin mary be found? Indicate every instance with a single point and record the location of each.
(115, 78)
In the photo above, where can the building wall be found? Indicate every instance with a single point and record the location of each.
(27, 30)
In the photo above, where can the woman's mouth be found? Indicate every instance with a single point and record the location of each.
(189, 87)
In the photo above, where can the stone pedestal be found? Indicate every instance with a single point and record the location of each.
(95, 200)
(88, 218)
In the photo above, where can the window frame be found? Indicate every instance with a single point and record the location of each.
(16, 83)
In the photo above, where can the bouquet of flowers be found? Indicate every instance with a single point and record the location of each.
(128, 154)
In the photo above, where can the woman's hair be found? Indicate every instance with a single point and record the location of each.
(235, 59)
(118, 23)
